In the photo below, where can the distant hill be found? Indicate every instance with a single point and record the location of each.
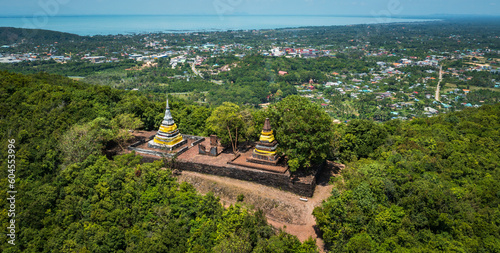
(11, 35)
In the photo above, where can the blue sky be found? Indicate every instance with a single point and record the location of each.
(252, 7)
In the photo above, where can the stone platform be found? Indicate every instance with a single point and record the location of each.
(144, 148)
(245, 160)
(226, 164)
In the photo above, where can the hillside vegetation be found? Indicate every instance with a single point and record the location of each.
(72, 198)
(427, 185)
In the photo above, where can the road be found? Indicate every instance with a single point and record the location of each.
(439, 82)
(193, 68)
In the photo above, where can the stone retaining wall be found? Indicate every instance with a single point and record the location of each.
(277, 180)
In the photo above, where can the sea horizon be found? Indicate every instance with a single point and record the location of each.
(90, 25)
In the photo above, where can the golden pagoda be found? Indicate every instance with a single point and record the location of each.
(265, 149)
(168, 136)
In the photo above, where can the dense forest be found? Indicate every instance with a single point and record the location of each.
(72, 198)
(80, 69)
(10, 35)
(426, 185)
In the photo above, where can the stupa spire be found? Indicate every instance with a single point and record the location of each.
(267, 126)
(168, 135)
(168, 119)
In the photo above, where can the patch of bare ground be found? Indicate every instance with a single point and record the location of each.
(283, 209)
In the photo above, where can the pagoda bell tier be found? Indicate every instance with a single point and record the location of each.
(168, 136)
(265, 148)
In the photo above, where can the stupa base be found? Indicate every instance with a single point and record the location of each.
(153, 144)
(264, 159)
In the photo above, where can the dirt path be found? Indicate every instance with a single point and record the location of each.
(283, 209)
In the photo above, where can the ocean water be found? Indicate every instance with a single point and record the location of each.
(104, 25)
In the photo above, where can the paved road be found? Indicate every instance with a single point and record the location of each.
(193, 68)
(439, 82)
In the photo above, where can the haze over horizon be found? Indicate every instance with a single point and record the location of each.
(251, 7)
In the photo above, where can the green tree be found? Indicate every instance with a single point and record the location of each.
(227, 122)
(303, 131)
(360, 138)
(121, 125)
(81, 141)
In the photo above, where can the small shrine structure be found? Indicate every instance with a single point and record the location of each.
(265, 149)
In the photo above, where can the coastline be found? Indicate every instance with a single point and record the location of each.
(141, 24)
